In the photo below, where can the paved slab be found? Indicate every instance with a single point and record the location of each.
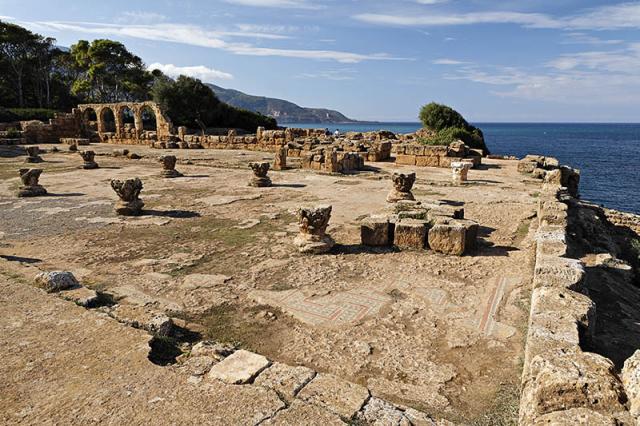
(340, 397)
(286, 380)
(239, 367)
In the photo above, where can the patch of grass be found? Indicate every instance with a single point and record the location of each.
(504, 410)
(522, 231)
(535, 194)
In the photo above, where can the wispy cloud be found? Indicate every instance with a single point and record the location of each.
(588, 78)
(335, 75)
(620, 16)
(201, 72)
(582, 38)
(136, 17)
(197, 36)
(447, 61)
(289, 4)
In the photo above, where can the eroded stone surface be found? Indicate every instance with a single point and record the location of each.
(340, 397)
(284, 379)
(239, 368)
(56, 281)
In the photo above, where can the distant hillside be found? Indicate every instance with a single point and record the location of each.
(281, 110)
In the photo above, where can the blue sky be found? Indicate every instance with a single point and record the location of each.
(544, 60)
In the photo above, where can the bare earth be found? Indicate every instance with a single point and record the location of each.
(438, 333)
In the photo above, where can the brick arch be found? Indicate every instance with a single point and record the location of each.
(101, 119)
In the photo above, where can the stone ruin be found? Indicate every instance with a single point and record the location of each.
(313, 223)
(169, 167)
(417, 154)
(280, 160)
(88, 158)
(333, 161)
(33, 155)
(30, 185)
(260, 178)
(417, 226)
(460, 172)
(551, 172)
(128, 191)
(402, 184)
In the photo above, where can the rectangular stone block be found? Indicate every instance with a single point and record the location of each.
(409, 160)
(448, 239)
(471, 232)
(338, 396)
(375, 232)
(410, 233)
(428, 161)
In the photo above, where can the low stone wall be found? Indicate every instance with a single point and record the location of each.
(562, 384)
(63, 125)
(416, 154)
(628, 220)
(332, 161)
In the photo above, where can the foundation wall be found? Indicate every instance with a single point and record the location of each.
(561, 383)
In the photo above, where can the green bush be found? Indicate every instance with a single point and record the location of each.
(7, 116)
(24, 114)
(450, 126)
(13, 133)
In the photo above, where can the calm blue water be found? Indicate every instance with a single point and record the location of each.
(606, 154)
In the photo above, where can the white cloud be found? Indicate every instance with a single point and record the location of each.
(582, 38)
(289, 4)
(141, 18)
(198, 36)
(620, 16)
(447, 61)
(335, 75)
(198, 71)
(431, 1)
(587, 78)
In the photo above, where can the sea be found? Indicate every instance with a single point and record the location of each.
(606, 154)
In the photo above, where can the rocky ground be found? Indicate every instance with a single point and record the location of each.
(439, 334)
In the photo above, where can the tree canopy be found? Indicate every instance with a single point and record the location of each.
(191, 103)
(39, 78)
(449, 125)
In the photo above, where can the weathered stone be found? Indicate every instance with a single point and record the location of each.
(215, 350)
(88, 160)
(280, 161)
(198, 365)
(260, 178)
(459, 172)
(402, 184)
(33, 155)
(560, 272)
(375, 231)
(143, 317)
(56, 280)
(285, 380)
(471, 233)
(128, 191)
(576, 417)
(381, 413)
(82, 296)
(570, 379)
(239, 368)
(340, 397)
(410, 234)
(631, 382)
(169, 167)
(313, 223)
(448, 239)
(301, 413)
(30, 186)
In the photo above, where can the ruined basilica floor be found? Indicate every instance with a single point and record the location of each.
(441, 334)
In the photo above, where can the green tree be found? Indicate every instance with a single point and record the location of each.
(191, 103)
(450, 126)
(108, 72)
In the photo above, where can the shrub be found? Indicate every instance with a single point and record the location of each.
(450, 126)
(24, 114)
(13, 133)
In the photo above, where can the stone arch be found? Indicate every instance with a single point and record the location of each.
(148, 119)
(90, 120)
(108, 121)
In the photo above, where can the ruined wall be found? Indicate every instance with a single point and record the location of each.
(618, 218)
(561, 383)
(62, 125)
(416, 154)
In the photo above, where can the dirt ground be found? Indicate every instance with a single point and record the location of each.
(438, 333)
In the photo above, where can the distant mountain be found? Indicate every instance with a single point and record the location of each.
(281, 110)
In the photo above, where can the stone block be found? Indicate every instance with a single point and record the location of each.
(143, 317)
(448, 239)
(56, 281)
(409, 160)
(239, 368)
(526, 166)
(82, 296)
(428, 161)
(410, 233)
(631, 382)
(301, 413)
(576, 417)
(338, 396)
(471, 232)
(559, 272)
(375, 231)
(285, 380)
